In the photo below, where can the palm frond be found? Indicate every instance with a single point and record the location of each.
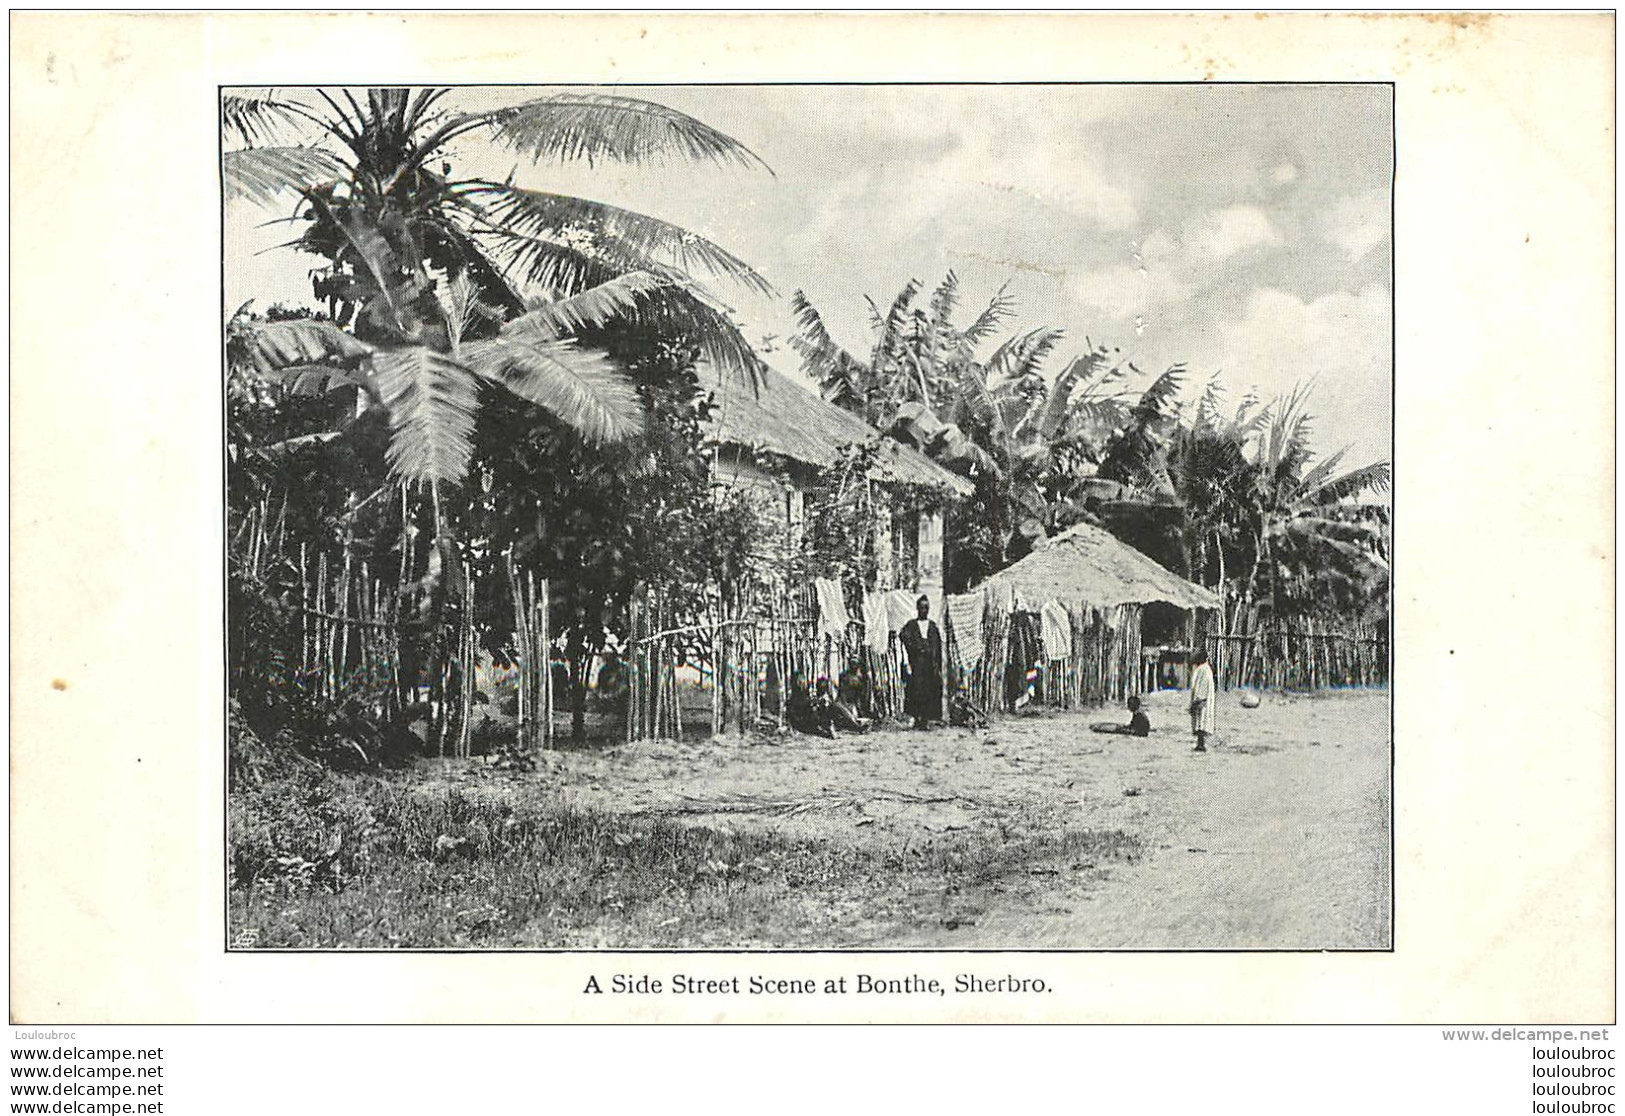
(491, 285)
(891, 329)
(259, 120)
(315, 379)
(431, 400)
(1058, 406)
(835, 370)
(460, 303)
(1284, 439)
(621, 238)
(877, 320)
(581, 387)
(1157, 399)
(565, 270)
(944, 299)
(599, 126)
(1022, 354)
(1322, 470)
(688, 309)
(264, 174)
(1377, 478)
(269, 346)
(1090, 421)
(999, 310)
(614, 298)
(1208, 408)
(939, 325)
(556, 266)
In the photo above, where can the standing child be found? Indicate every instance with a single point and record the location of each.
(1201, 699)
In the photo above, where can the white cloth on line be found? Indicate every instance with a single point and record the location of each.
(901, 607)
(832, 617)
(876, 625)
(1057, 630)
(965, 617)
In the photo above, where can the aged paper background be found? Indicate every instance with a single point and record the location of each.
(1504, 800)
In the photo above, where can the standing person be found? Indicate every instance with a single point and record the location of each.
(1201, 699)
(922, 642)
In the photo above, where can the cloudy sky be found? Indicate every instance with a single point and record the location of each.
(1241, 230)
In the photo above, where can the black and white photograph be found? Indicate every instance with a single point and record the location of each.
(808, 517)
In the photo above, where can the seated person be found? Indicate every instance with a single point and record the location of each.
(855, 689)
(611, 686)
(806, 714)
(1139, 724)
(965, 713)
(841, 714)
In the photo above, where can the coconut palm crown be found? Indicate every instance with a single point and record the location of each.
(437, 285)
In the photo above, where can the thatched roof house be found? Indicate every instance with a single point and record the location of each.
(794, 423)
(1085, 563)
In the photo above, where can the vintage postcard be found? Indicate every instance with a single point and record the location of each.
(691, 520)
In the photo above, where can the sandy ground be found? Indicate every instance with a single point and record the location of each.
(1277, 838)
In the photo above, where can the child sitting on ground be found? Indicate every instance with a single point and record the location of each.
(1139, 724)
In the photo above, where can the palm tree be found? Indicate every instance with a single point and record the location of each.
(428, 274)
(917, 358)
(1042, 439)
(1248, 491)
(1300, 530)
(1030, 443)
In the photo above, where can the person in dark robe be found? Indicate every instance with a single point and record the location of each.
(922, 643)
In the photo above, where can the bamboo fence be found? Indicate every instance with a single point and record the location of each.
(740, 668)
(359, 643)
(1310, 655)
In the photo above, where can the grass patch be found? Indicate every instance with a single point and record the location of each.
(332, 861)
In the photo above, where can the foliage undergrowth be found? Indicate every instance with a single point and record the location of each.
(324, 860)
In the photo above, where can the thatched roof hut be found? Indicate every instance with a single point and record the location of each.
(794, 422)
(1085, 563)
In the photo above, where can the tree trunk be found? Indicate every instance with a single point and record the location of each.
(578, 699)
(998, 533)
(1246, 598)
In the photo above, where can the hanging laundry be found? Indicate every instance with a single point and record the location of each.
(1057, 630)
(832, 617)
(965, 618)
(901, 607)
(876, 623)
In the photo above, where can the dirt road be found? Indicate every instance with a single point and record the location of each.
(1278, 838)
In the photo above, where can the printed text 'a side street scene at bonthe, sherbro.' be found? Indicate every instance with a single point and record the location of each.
(840, 517)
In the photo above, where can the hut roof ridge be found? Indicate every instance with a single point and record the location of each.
(1090, 564)
(798, 423)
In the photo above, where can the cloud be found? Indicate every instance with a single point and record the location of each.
(1359, 223)
(1224, 232)
(1164, 270)
(1284, 173)
(1341, 340)
(1125, 291)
